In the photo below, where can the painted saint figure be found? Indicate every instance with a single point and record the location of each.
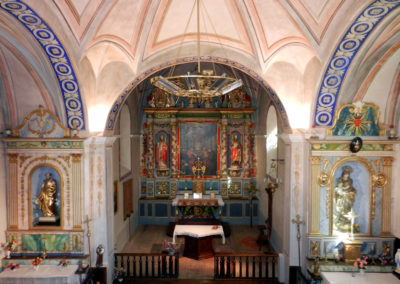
(47, 197)
(345, 196)
(236, 152)
(161, 153)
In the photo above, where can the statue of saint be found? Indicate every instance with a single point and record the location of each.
(161, 153)
(345, 196)
(236, 152)
(47, 197)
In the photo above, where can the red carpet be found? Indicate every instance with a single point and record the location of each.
(249, 242)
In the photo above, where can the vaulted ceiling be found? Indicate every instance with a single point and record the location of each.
(111, 43)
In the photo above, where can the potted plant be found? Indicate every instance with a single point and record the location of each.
(361, 264)
(36, 262)
(9, 247)
(63, 263)
(120, 274)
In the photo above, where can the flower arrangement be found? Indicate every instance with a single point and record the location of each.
(361, 262)
(37, 261)
(12, 266)
(10, 246)
(119, 272)
(63, 263)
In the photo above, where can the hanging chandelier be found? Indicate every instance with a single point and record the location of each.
(201, 86)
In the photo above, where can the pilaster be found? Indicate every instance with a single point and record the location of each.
(13, 191)
(387, 196)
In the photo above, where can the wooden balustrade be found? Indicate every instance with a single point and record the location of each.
(242, 266)
(148, 265)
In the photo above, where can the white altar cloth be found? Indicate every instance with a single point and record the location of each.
(204, 196)
(367, 278)
(47, 274)
(198, 231)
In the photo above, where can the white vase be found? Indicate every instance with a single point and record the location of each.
(362, 271)
(397, 259)
(8, 253)
(36, 267)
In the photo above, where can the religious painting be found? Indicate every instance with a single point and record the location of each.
(115, 197)
(235, 150)
(198, 144)
(162, 142)
(128, 198)
(351, 199)
(45, 196)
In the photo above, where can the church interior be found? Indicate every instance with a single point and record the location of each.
(199, 139)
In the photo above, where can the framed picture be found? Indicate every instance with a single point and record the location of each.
(115, 197)
(45, 196)
(128, 196)
(198, 141)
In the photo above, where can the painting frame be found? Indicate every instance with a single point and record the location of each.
(199, 139)
(116, 207)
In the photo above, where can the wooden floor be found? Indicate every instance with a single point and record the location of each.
(198, 281)
(148, 239)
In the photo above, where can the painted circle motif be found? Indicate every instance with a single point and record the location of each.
(43, 34)
(13, 6)
(339, 62)
(73, 104)
(349, 45)
(326, 100)
(75, 122)
(361, 28)
(323, 118)
(332, 81)
(69, 86)
(62, 69)
(55, 51)
(29, 19)
(375, 11)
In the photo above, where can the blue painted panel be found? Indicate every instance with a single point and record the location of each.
(141, 209)
(236, 210)
(161, 210)
(172, 210)
(149, 209)
(224, 211)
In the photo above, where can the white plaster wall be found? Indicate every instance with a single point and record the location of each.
(396, 193)
(3, 196)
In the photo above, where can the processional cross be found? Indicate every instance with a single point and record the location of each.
(89, 233)
(351, 215)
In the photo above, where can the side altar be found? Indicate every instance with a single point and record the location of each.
(45, 192)
(193, 146)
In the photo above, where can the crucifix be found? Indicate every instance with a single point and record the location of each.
(351, 215)
(298, 223)
(43, 238)
(89, 233)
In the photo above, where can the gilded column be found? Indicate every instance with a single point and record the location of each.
(77, 191)
(387, 196)
(150, 164)
(246, 144)
(13, 191)
(315, 195)
(174, 150)
(223, 152)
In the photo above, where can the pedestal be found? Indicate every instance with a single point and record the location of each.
(198, 248)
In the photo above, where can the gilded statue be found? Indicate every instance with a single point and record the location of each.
(344, 197)
(47, 196)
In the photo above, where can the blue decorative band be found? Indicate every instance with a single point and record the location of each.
(120, 100)
(346, 50)
(58, 59)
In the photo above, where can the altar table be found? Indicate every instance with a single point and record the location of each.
(198, 239)
(47, 274)
(367, 278)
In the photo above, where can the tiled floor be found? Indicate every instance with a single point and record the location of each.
(148, 239)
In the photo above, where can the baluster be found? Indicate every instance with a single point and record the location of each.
(140, 267)
(171, 267)
(177, 265)
(115, 260)
(216, 268)
(234, 267)
(146, 267)
(247, 267)
(260, 261)
(128, 265)
(267, 267)
(134, 266)
(253, 274)
(164, 266)
(273, 267)
(228, 267)
(152, 266)
(240, 266)
(159, 265)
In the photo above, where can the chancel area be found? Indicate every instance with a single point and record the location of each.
(198, 140)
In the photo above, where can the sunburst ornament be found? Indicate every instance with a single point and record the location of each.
(356, 118)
